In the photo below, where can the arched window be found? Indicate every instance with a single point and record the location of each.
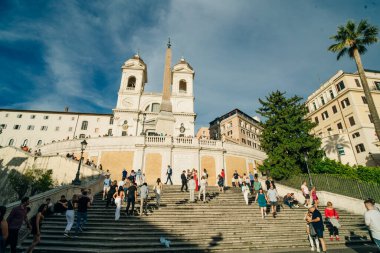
(131, 83)
(84, 125)
(11, 142)
(39, 142)
(25, 143)
(155, 107)
(182, 86)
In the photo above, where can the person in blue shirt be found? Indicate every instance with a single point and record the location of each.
(124, 174)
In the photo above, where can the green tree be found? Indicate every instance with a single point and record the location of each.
(41, 180)
(35, 180)
(19, 182)
(352, 39)
(286, 136)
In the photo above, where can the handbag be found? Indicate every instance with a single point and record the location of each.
(312, 230)
(335, 222)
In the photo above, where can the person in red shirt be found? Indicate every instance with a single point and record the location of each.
(331, 213)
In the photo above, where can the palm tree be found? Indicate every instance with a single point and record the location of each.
(353, 39)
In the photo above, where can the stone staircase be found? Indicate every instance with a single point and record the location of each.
(224, 223)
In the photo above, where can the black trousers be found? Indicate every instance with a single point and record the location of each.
(12, 239)
(184, 184)
(169, 178)
(129, 202)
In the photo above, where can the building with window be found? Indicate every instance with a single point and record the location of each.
(237, 127)
(135, 113)
(203, 133)
(340, 109)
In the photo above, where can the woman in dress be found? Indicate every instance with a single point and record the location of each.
(314, 196)
(4, 228)
(118, 196)
(71, 205)
(331, 213)
(195, 177)
(36, 223)
(261, 198)
(158, 190)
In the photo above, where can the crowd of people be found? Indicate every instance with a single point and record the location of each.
(133, 185)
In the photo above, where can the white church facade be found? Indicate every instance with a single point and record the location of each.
(135, 113)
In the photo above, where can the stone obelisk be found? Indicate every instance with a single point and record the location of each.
(165, 119)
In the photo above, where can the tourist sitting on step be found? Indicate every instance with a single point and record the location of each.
(61, 206)
(290, 201)
(50, 207)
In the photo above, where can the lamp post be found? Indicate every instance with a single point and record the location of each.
(308, 171)
(142, 131)
(77, 181)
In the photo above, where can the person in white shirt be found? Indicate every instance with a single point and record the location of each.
(106, 185)
(120, 183)
(306, 193)
(144, 191)
(202, 189)
(246, 191)
(192, 188)
(158, 190)
(372, 220)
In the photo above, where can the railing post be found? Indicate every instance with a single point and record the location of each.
(360, 191)
(328, 183)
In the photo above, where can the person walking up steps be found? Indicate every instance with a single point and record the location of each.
(184, 181)
(158, 190)
(262, 199)
(83, 204)
(169, 173)
(118, 197)
(70, 214)
(144, 192)
(15, 219)
(131, 198)
(191, 188)
(36, 222)
(202, 189)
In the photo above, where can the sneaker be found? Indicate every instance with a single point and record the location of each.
(318, 250)
(66, 235)
(312, 249)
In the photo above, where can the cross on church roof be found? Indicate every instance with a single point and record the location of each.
(169, 45)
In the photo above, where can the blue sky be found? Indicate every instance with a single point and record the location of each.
(68, 53)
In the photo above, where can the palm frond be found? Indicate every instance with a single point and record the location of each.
(362, 27)
(362, 49)
(336, 47)
(341, 53)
